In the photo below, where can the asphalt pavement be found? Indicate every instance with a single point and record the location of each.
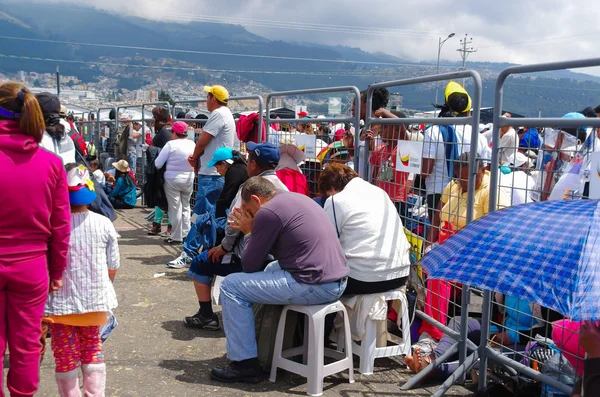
(151, 353)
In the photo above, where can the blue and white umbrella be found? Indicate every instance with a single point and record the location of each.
(547, 253)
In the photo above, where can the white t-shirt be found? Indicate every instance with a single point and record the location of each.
(175, 154)
(100, 178)
(518, 186)
(433, 148)
(221, 126)
(508, 146)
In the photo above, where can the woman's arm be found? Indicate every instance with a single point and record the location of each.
(60, 224)
(163, 156)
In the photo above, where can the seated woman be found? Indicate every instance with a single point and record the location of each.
(369, 229)
(123, 195)
(521, 322)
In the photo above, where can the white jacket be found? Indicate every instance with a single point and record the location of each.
(65, 149)
(370, 231)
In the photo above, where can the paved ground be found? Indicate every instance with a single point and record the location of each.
(151, 353)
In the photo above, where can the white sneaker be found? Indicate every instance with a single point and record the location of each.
(183, 261)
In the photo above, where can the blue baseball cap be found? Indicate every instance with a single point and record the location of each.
(221, 154)
(265, 153)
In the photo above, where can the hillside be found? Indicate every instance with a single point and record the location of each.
(555, 93)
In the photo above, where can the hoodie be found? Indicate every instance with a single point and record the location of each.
(35, 212)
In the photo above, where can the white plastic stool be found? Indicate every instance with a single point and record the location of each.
(313, 350)
(375, 329)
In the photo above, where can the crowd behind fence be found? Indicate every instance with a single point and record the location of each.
(437, 198)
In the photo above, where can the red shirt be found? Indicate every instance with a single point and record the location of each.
(387, 178)
(294, 180)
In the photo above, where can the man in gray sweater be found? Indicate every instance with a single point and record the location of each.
(310, 269)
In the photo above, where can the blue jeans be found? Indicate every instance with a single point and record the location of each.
(203, 270)
(132, 160)
(271, 287)
(209, 190)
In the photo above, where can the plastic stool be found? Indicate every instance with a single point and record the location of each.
(375, 329)
(313, 350)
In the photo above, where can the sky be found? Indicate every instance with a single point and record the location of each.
(516, 31)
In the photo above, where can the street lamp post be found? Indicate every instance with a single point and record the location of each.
(437, 71)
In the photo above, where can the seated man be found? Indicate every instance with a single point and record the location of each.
(311, 268)
(262, 160)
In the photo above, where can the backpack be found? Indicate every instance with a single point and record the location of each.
(122, 143)
(247, 128)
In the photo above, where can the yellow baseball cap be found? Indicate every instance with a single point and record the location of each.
(218, 92)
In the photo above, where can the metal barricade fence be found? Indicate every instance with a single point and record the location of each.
(533, 175)
(296, 127)
(393, 158)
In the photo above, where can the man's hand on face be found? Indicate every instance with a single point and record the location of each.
(241, 220)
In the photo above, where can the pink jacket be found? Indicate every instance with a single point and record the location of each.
(34, 211)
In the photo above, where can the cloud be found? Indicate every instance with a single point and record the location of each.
(515, 31)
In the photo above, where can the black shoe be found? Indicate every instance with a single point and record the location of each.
(155, 231)
(236, 372)
(200, 322)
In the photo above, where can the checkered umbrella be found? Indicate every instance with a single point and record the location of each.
(547, 253)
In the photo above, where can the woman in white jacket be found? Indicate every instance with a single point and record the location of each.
(56, 138)
(370, 231)
(179, 180)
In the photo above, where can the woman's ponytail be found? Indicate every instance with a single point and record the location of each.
(20, 104)
(32, 118)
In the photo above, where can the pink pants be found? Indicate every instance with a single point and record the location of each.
(23, 294)
(75, 345)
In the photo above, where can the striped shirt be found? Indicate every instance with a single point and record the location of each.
(93, 251)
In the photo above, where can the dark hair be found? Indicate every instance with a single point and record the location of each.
(16, 98)
(258, 186)
(463, 161)
(50, 105)
(91, 116)
(70, 117)
(112, 114)
(201, 116)
(381, 98)
(125, 175)
(219, 102)
(335, 176)
(96, 163)
(180, 115)
(262, 166)
(70, 166)
(161, 117)
(597, 109)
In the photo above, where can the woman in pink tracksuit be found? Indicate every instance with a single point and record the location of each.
(34, 234)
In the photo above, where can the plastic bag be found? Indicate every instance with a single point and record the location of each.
(109, 327)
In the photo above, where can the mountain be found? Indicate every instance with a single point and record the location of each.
(555, 93)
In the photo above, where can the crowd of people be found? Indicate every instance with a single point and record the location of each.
(279, 232)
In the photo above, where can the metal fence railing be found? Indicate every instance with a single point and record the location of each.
(296, 132)
(565, 142)
(413, 170)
